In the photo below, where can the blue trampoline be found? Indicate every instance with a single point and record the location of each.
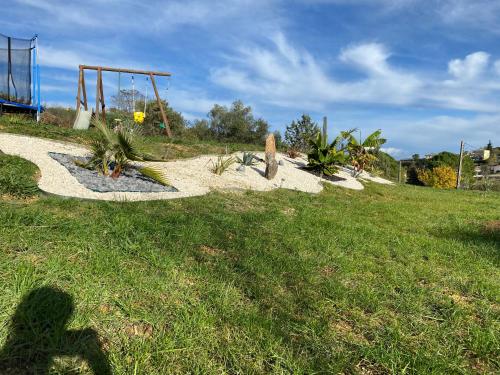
(19, 76)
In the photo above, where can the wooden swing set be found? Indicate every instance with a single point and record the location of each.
(82, 91)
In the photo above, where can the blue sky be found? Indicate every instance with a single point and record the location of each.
(426, 72)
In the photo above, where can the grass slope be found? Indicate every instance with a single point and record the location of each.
(387, 280)
(17, 177)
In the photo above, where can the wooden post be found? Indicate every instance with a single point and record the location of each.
(84, 92)
(163, 115)
(78, 95)
(101, 89)
(399, 172)
(459, 174)
(97, 94)
(325, 129)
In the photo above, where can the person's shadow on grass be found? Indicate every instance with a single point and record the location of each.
(38, 334)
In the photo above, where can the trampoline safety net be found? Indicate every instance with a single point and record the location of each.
(15, 69)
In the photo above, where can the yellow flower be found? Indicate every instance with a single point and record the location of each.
(139, 117)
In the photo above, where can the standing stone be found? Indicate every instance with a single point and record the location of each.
(271, 163)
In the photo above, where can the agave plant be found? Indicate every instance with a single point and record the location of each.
(325, 158)
(114, 150)
(362, 153)
(248, 159)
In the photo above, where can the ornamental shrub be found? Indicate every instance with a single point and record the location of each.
(443, 177)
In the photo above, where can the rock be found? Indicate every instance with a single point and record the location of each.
(270, 145)
(241, 168)
(271, 163)
(271, 166)
(281, 163)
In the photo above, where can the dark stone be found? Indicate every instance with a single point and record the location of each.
(271, 166)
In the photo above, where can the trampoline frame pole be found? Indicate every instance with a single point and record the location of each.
(38, 108)
(33, 77)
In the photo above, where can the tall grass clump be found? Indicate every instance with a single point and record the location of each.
(17, 177)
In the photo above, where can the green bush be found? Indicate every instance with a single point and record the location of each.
(17, 177)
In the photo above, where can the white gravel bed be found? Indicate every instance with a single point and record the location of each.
(191, 177)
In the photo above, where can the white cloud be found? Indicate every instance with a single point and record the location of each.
(149, 17)
(371, 57)
(497, 66)
(290, 77)
(482, 14)
(443, 133)
(191, 102)
(60, 58)
(470, 68)
(395, 152)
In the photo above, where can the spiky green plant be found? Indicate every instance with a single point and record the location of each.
(247, 159)
(119, 148)
(222, 164)
(113, 147)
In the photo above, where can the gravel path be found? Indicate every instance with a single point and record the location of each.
(191, 177)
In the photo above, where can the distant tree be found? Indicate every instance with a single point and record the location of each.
(200, 129)
(415, 156)
(299, 133)
(278, 138)
(153, 120)
(236, 124)
(124, 101)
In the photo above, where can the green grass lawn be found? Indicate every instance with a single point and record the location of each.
(397, 280)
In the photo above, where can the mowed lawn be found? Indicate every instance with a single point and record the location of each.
(389, 280)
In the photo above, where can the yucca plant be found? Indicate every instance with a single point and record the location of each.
(247, 159)
(222, 164)
(114, 150)
(326, 158)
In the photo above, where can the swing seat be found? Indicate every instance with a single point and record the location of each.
(139, 117)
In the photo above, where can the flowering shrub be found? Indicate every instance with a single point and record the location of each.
(439, 177)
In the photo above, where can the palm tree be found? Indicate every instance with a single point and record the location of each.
(113, 151)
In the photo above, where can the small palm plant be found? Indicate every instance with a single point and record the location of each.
(325, 158)
(113, 152)
(362, 153)
(248, 159)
